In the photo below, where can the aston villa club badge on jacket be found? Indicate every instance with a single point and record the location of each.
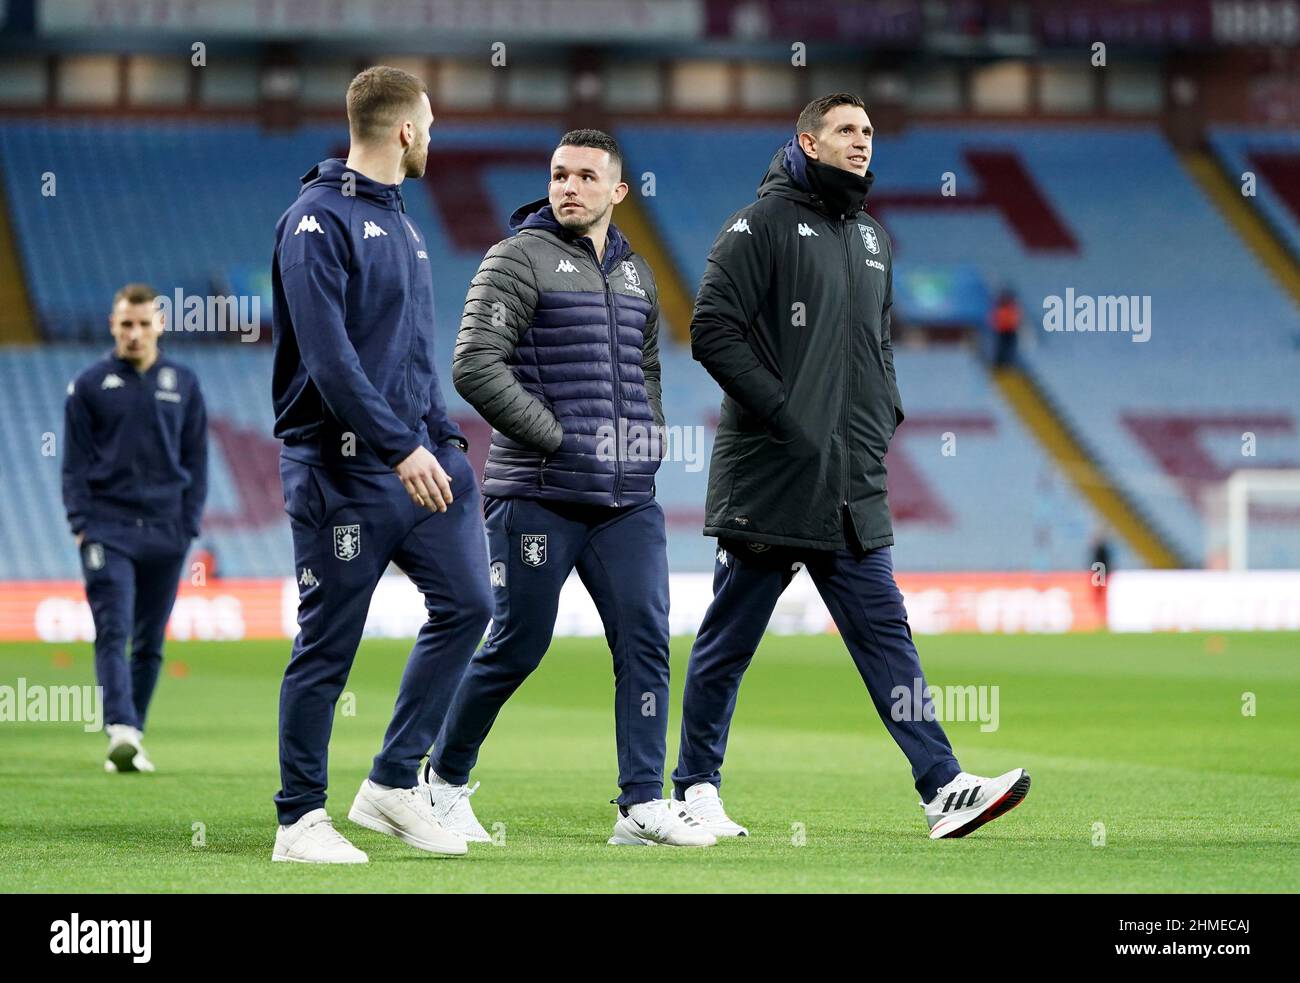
(347, 541)
(632, 278)
(869, 238)
(532, 549)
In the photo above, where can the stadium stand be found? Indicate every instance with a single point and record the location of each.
(1227, 337)
(1043, 226)
(1273, 157)
(946, 517)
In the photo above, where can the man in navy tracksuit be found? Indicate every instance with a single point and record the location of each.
(559, 351)
(135, 476)
(373, 471)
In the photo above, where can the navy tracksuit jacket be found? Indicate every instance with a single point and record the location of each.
(135, 477)
(355, 392)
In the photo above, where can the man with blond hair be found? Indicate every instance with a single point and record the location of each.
(374, 471)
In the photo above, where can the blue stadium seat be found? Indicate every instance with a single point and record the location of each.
(188, 204)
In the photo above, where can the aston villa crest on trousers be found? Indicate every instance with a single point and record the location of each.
(532, 548)
(347, 541)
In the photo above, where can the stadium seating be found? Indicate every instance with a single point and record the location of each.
(946, 516)
(192, 205)
(1224, 335)
(183, 204)
(244, 523)
(1273, 156)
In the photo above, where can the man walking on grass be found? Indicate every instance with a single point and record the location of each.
(559, 351)
(135, 476)
(373, 471)
(792, 320)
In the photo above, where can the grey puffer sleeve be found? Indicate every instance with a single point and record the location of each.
(498, 309)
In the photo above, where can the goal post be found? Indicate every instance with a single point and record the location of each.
(1253, 520)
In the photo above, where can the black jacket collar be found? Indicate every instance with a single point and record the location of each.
(836, 193)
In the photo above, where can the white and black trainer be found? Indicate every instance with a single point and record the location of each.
(702, 802)
(451, 806)
(968, 802)
(659, 822)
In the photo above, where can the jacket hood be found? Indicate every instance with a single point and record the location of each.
(788, 176)
(539, 215)
(329, 174)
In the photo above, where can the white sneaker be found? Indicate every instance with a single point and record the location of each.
(407, 814)
(314, 840)
(125, 753)
(451, 806)
(968, 802)
(659, 821)
(702, 802)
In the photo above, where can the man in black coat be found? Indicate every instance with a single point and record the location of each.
(793, 321)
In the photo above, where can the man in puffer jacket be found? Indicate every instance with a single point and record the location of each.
(559, 351)
(793, 321)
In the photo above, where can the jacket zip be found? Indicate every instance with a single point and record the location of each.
(151, 414)
(848, 365)
(613, 358)
(618, 395)
(413, 264)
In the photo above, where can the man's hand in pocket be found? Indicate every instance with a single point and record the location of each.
(791, 436)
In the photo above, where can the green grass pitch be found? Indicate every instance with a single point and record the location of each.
(1144, 735)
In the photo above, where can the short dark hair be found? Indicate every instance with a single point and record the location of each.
(813, 116)
(377, 97)
(135, 293)
(597, 139)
